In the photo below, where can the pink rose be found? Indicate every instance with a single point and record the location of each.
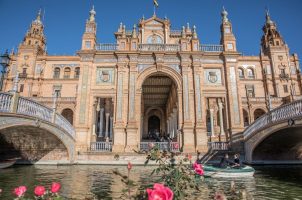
(196, 165)
(159, 192)
(39, 190)
(151, 145)
(129, 166)
(176, 146)
(55, 187)
(19, 191)
(189, 156)
(199, 171)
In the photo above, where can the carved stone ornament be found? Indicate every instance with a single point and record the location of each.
(212, 77)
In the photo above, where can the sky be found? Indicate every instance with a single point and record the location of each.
(64, 20)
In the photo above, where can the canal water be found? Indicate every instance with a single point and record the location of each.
(99, 182)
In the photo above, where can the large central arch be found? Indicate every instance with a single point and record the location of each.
(160, 95)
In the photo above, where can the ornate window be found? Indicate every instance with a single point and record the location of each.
(56, 73)
(241, 73)
(250, 73)
(67, 72)
(154, 39)
(250, 92)
(77, 72)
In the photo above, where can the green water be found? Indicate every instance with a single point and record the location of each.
(98, 182)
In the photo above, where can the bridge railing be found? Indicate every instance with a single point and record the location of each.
(24, 106)
(31, 108)
(5, 102)
(278, 115)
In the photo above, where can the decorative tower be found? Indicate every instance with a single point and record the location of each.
(279, 77)
(34, 38)
(89, 36)
(228, 39)
(271, 38)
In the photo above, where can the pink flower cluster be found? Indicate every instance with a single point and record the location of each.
(159, 192)
(198, 169)
(39, 190)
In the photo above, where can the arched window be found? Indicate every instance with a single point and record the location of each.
(68, 114)
(56, 73)
(154, 39)
(250, 73)
(258, 113)
(67, 72)
(77, 72)
(241, 73)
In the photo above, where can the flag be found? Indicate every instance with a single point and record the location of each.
(155, 3)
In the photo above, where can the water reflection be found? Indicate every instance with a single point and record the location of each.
(99, 182)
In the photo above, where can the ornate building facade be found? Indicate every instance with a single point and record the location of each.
(156, 83)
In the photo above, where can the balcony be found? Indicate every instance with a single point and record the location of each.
(50, 99)
(106, 47)
(159, 47)
(211, 48)
(22, 75)
(284, 76)
(101, 146)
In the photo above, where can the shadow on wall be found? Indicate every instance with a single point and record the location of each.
(31, 144)
(284, 144)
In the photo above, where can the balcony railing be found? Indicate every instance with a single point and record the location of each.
(101, 146)
(51, 99)
(159, 47)
(163, 146)
(211, 48)
(106, 47)
(284, 76)
(219, 146)
(22, 75)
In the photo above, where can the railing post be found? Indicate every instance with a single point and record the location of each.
(14, 102)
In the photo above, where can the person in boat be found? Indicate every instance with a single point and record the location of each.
(225, 161)
(237, 162)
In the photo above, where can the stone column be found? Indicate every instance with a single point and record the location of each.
(212, 122)
(101, 122)
(111, 127)
(107, 125)
(220, 106)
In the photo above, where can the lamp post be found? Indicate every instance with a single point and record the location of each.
(4, 61)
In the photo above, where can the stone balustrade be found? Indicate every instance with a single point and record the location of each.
(262, 99)
(31, 108)
(5, 102)
(159, 47)
(164, 146)
(106, 47)
(281, 114)
(219, 146)
(211, 48)
(50, 99)
(101, 146)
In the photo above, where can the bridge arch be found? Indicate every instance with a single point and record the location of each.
(32, 128)
(274, 134)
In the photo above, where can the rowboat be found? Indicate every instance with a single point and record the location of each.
(7, 163)
(212, 171)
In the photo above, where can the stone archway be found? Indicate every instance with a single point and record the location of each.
(160, 97)
(258, 113)
(68, 114)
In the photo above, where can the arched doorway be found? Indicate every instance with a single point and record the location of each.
(68, 114)
(153, 126)
(258, 113)
(159, 107)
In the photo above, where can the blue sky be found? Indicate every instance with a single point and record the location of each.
(65, 20)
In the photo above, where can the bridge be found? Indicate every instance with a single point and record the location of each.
(276, 137)
(33, 131)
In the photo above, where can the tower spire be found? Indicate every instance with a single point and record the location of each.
(224, 15)
(268, 17)
(92, 14)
